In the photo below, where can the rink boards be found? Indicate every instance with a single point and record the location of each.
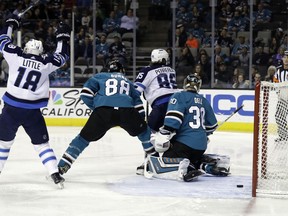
(66, 109)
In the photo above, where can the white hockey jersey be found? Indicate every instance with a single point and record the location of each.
(28, 81)
(156, 81)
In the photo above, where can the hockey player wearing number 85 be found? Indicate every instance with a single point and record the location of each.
(188, 122)
(27, 92)
(157, 82)
(114, 102)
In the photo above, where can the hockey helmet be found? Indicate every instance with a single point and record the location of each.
(115, 66)
(160, 56)
(34, 47)
(192, 82)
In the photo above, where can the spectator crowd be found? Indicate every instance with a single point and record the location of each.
(115, 22)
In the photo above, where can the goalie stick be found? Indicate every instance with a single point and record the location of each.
(233, 113)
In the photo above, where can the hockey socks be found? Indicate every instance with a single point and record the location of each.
(4, 152)
(75, 148)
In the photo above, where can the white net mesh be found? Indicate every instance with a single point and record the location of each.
(272, 159)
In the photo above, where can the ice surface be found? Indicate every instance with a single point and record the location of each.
(103, 182)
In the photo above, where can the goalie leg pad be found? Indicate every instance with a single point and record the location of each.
(217, 165)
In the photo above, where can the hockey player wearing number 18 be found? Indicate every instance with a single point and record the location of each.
(114, 102)
(189, 121)
(28, 91)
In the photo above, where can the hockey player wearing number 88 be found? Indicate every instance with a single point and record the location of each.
(27, 92)
(114, 102)
(188, 122)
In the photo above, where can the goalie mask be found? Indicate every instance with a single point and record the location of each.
(160, 56)
(192, 82)
(115, 66)
(34, 47)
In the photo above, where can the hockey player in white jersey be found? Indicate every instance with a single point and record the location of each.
(183, 138)
(28, 91)
(157, 82)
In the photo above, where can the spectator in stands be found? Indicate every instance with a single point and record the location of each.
(192, 42)
(270, 73)
(244, 57)
(85, 19)
(273, 45)
(117, 50)
(278, 34)
(181, 36)
(261, 58)
(241, 82)
(118, 11)
(256, 79)
(237, 23)
(85, 49)
(102, 51)
(226, 14)
(183, 16)
(238, 45)
(222, 76)
(185, 60)
(277, 58)
(128, 23)
(50, 39)
(261, 16)
(111, 23)
(197, 31)
(219, 55)
(196, 15)
(224, 40)
(204, 61)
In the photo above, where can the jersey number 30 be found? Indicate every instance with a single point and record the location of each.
(198, 117)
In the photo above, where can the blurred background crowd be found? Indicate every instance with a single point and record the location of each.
(235, 63)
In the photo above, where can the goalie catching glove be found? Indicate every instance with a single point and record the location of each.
(14, 21)
(63, 32)
(161, 139)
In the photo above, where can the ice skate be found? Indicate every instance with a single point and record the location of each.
(58, 180)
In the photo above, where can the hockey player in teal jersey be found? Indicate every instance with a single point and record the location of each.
(189, 121)
(115, 102)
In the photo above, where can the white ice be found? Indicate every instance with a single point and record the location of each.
(103, 182)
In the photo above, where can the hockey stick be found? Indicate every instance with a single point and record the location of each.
(233, 113)
(32, 4)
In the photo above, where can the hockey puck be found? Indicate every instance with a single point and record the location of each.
(239, 186)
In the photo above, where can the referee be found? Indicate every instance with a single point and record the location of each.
(281, 114)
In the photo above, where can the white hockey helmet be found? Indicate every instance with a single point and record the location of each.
(34, 47)
(160, 56)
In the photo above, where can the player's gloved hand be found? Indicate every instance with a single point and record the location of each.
(63, 32)
(161, 140)
(13, 21)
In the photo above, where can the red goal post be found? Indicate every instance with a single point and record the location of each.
(270, 155)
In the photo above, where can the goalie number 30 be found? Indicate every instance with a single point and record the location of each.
(198, 117)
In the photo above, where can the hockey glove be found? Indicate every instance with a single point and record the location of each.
(13, 21)
(161, 140)
(63, 32)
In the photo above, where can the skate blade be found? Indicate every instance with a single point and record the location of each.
(60, 185)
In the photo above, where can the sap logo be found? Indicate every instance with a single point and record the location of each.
(231, 103)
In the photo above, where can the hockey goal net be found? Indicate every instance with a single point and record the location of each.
(270, 150)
